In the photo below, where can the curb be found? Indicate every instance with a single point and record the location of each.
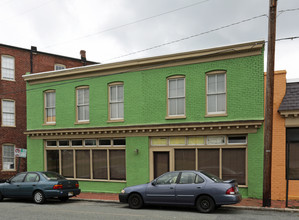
(262, 208)
(226, 206)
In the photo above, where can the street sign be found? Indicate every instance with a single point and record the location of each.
(19, 152)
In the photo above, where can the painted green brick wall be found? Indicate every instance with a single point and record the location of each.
(137, 164)
(145, 95)
(255, 164)
(35, 155)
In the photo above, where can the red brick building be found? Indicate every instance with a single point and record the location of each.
(15, 62)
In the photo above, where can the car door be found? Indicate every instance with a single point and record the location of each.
(189, 186)
(29, 184)
(12, 188)
(162, 189)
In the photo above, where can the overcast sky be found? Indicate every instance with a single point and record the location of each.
(111, 30)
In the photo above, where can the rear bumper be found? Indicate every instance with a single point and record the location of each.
(229, 199)
(62, 193)
(123, 197)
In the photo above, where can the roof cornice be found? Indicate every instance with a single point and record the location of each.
(214, 54)
(234, 127)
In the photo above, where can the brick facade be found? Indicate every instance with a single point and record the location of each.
(16, 90)
(278, 175)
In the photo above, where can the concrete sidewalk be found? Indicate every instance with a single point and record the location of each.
(248, 203)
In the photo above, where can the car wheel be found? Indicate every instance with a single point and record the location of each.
(205, 204)
(1, 197)
(39, 197)
(63, 199)
(135, 201)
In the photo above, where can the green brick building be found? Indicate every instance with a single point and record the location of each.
(125, 123)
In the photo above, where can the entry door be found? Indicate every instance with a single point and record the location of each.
(161, 163)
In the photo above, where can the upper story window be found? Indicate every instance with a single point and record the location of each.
(50, 110)
(116, 101)
(8, 157)
(59, 67)
(82, 104)
(216, 93)
(7, 67)
(176, 96)
(8, 113)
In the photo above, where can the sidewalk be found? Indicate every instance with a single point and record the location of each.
(245, 203)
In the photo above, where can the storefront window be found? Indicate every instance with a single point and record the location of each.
(53, 160)
(208, 160)
(185, 159)
(233, 165)
(99, 158)
(67, 163)
(117, 165)
(105, 161)
(83, 164)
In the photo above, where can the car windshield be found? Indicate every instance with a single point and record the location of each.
(52, 176)
(212, 177)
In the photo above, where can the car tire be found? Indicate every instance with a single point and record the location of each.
(63, 199)
(135, 201)
(1, 197)
(39, 197)
(205, 204)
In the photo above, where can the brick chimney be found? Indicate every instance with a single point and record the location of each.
(83, 57)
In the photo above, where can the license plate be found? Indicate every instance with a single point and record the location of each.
(70, 193)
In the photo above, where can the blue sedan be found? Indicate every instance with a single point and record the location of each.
(39, 186)
(189, 188)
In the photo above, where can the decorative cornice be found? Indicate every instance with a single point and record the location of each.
(237, 127)
(289, 113)
(214, 54)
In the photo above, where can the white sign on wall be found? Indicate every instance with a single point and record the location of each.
(19, 152)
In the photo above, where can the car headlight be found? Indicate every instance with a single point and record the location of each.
(123, 191)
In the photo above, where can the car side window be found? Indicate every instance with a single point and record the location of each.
(18, 178)
(198, 179)
(187, 178)
(31, 177)
(168, 178)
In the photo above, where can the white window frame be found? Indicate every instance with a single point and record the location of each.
(9, 68)
(118, 102)
(176, 98)
(217, 94)
(84, 104)
(12, 113)
(53, 108)
(4, 156)
(59, 67)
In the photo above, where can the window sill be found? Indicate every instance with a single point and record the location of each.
(216, 115)
(81, 122)
(8, 126)
(117, 120)
(47, 124)
(99, 180)
(10, 80)
(175, 117)
(8, 170)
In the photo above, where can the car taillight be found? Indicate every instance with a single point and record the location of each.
(231, 191)
(77, 185)
(58, 186)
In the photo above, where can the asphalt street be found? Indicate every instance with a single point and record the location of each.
(85, 210)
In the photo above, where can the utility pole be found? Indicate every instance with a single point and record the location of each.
(269, 104)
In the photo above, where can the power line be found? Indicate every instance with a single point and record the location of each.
(189, 37)
(127, 24)
(127, 71)
(29, 10)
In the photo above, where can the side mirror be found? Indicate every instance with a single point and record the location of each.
(154, 182)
